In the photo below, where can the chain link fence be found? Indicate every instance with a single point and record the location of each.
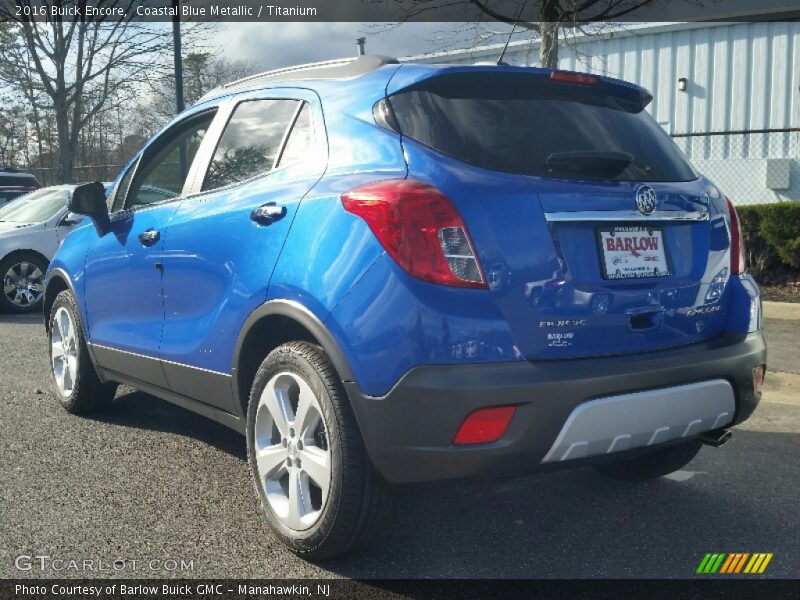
(82, 174)
(751, 167)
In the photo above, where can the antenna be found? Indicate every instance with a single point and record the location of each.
(508, 39)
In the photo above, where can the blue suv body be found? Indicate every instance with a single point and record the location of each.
(461, 270)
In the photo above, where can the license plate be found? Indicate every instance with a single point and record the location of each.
(632, 252)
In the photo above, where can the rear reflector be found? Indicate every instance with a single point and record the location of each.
(738, 256)
(484, 426)
(420, 228)
(572, 77)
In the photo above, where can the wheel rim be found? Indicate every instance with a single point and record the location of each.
(64, 351)
(292, 454)
(23, 284)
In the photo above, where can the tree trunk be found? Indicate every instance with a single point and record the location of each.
(65, 147)
(548, 49)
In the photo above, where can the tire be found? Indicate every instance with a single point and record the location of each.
(22, 275)
(315, 522)
(75, 380)
(651, 465)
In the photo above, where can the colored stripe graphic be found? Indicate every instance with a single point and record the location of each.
(734, 562)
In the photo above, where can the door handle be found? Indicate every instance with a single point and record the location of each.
(268, 213)
(149, 237)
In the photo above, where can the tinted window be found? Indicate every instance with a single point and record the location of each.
(163, 169)
(517, 122)
(18, 179)
(300, 140)
(251, 141)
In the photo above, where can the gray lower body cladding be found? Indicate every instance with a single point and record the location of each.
(409, 431)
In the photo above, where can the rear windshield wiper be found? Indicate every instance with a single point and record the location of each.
(590, 163)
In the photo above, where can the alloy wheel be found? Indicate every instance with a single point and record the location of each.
(64, 352)
(292, 454)
(23, 284)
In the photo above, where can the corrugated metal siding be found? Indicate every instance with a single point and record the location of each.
(740, 77)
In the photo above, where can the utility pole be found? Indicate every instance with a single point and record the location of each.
(179, 105)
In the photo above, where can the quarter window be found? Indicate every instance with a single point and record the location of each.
(251, 141)
(300, 140)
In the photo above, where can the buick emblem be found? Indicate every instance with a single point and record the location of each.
(645, 199)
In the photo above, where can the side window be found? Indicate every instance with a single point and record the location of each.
(251, 141)
(163, 169)
(301, 139)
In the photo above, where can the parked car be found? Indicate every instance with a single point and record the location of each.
(14, 183)
(318, 283)
(31, 228)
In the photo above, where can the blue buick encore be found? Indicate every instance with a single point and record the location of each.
(384, 273)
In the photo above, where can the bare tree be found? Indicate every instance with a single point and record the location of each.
(72, 67)
(551, 16)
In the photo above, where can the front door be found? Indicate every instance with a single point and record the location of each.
(123, 278)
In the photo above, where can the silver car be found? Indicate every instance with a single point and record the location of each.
(31, 229)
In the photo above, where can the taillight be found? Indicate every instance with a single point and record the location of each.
(484, 426)
(738, 256)
(420, 229)
(572, 77)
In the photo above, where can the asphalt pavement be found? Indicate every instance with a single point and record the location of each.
(147, 481)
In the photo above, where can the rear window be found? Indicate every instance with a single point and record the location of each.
(526, 124)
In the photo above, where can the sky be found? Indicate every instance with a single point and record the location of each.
(285, 44)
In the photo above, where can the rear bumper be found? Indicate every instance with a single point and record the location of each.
(408, 432)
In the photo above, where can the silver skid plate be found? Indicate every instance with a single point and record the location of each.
(626, 421)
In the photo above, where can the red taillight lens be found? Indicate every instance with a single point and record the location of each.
(738, 256)
(572, 77)
(484, 426)
(420, 228)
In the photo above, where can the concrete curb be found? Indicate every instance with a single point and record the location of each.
(782, 310)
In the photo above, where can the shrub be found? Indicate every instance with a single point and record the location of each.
(771, 234)
(780, 228)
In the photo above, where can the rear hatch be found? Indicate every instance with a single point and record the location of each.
(595, 234)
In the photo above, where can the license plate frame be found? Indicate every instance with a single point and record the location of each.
(632, 261)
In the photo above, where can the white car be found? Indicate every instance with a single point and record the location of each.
(31, 229)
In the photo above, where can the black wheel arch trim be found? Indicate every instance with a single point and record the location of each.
(304, 317)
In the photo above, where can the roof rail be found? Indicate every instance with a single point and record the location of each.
(341, 68)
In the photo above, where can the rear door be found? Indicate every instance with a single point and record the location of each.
(596, 235)
(226, 237)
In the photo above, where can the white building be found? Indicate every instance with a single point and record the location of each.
(728, 93)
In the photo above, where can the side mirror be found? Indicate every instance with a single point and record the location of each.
(90, 199)
(70, 219)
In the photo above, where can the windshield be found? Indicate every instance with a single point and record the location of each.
(35, 207)
(522, 123)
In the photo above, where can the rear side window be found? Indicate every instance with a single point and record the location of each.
(300, 141)
(251, 141)
(18, 180)
(526, 124)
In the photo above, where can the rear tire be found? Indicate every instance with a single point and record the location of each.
(77, 386)
(22, 275)
(651, 465)
(318, 489)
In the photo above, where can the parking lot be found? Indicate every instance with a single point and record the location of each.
(150, 481)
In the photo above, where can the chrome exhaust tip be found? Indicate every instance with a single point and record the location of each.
(716, 438)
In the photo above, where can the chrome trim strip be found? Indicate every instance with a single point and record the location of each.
(625, 215)
(172, 362)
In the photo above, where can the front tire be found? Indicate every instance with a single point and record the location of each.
(318, 489)
(77, 386)
(653, 464)
(23, 282)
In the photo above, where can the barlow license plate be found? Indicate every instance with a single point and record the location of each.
(632, 252)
